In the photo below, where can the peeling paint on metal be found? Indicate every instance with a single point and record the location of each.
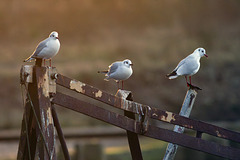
(124, 104)
(77, 85)
(49, 116)
(98, 94)
(188, 126)
(155, 114)
(169, 117)
(140, 106)
(192, 96)
(44, 84)
(219, 134)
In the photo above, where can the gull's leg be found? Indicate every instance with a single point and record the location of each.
(190, 79)
(50, 62)
(44, 60)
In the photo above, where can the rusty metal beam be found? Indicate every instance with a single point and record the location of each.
(133, 140)
(24, 149)
(39, 117)
(44, 113)
(193, 143)
(185, 111)
(196, 125)
(153, 131)
(98, 94)
(60, 134)
(154, 113)
(95, 112)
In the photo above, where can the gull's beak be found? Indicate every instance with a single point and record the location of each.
(131, 64)
(206, 55)
(57, 38)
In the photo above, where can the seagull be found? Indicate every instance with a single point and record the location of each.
(46, 49)
(119, 71)
(188, 66)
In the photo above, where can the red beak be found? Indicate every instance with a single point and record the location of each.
(206, 55)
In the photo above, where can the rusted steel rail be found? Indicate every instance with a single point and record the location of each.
(153, 113)
(40, 118)
(152, 131)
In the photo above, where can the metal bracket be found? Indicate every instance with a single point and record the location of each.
(145, 120)
(26, 74)
(52, 75)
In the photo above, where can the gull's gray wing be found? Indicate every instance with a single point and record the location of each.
(187, 66)
(113, 67)
(40, 47)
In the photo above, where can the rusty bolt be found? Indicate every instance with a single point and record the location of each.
(54, 76)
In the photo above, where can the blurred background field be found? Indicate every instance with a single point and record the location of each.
(153, 34)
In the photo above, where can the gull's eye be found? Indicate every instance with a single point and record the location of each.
(202, 51)
(199, 50)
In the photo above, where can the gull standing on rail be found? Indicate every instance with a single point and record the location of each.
(46, 49)
(119, 71)
(188, 66)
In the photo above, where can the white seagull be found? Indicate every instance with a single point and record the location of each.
(119, 71)
(188, 66)
(46, 49)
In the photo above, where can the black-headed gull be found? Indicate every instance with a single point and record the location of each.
(46, 49)
(119, 71)
(188, 66)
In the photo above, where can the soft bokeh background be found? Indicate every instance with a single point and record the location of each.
(155, 35)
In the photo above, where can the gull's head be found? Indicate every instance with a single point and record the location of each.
(127, 63)
(201, 52)
(54, 34)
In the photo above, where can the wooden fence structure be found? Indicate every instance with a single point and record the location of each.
(40, 121)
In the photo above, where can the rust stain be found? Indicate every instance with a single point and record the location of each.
(192, 96)
(220, 135)
(98, 94)
(188, 126)
(155, 114)
(44, 84)
(77, 85)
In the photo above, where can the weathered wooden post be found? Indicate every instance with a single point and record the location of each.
(185, 111)
(132, 137)
(37, 138)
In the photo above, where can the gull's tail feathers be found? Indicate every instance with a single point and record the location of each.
(172, 75)
(102, 72)
(29, 59)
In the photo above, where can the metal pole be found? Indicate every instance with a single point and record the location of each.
(133, 140)
(185, 111)
(40, 122)
(60, 134)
